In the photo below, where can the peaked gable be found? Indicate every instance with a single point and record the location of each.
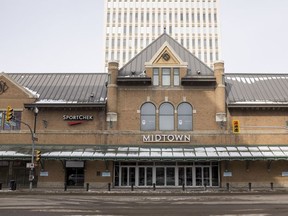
(166, 56)
(12, 89)
(137, 64)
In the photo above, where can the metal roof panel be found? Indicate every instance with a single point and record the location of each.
(65, 87)
(256, 88)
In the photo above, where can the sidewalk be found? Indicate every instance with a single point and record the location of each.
(145, 191)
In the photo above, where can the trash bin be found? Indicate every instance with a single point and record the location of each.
(12, 185)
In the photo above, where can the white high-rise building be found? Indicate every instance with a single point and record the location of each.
(133, 24)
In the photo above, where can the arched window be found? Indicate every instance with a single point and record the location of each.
(148, 117)
(166, 117)
(185, 111)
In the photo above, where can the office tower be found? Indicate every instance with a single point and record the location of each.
(133, 24)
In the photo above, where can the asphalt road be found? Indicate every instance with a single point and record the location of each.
(42, 204)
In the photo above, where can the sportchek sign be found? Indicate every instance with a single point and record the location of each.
(77, 119)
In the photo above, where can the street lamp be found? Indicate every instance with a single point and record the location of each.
(36, 110)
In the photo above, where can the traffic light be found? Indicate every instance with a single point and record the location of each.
(9, 114)
(236, 126)
(37, 155)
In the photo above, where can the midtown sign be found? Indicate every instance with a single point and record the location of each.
(166, 138)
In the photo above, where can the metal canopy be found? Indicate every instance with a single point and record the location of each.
(150, 153)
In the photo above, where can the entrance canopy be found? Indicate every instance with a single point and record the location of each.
(149, 153)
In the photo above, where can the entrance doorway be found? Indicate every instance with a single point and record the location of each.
(75, 173)
(167, 174)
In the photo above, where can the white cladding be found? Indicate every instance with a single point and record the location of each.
(131, 25)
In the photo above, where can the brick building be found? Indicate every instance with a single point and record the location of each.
(164, 118)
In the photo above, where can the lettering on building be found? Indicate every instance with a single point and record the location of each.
(78, 117)
(166, 138)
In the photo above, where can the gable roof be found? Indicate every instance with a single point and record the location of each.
(17, 85)
(257, 90)
(64, 88)
(137, 64)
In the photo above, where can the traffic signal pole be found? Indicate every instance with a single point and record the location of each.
(10, 117)
(31, 174)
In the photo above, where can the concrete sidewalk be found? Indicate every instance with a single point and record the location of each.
(145, 191)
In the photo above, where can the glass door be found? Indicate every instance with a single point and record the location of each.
(185, 176)
(189, 176)
(198, 174)
(145, 176)
(160, 176)
(131, 175)
(202, 176)
(165, 176)
(124, 176)
(181, 176)
(206, 176)
(149, 176)
(141, 176)
(170, 176)
(127, 176)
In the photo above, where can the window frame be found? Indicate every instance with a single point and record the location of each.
(183, 118)
(166, 76)
(5, 126)
(176, 76)
(156, 80)
(146, 115)
(166, 117)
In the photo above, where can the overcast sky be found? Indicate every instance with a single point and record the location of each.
(68, 35)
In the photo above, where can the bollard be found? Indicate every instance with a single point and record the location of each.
(154, 186)
(132, 187)
(0, 186)
(272, 186)
(109, 186)
(65, 186)
(227, 186)
(87, 186)
(183, 187)
(250, 186)
(12, 185)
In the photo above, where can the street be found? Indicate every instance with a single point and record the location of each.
(42, 204)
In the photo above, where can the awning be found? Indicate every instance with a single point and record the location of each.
(149, 153)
